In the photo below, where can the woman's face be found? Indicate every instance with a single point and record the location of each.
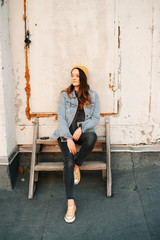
(75, 78)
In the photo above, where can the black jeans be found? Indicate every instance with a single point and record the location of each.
(87, 140)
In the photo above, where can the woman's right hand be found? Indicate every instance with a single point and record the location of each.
(71, 146)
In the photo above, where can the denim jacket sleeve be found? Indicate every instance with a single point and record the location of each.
(94, 118)
(62, 123)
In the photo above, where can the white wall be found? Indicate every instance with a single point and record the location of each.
(7, 91)
(65, 34)
(138, 119)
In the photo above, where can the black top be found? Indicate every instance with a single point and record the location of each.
(79, 117)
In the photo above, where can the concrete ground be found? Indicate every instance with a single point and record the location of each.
(132, 213)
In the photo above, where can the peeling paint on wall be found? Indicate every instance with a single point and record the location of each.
(119, 33)
(18, 104)
(111, 83)
(2, 3)
(143, 133)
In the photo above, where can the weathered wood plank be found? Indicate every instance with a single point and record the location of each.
(55, 148)
(58, 166)
(53, 142)
(33, 160)
(93, 165)
(108, 160)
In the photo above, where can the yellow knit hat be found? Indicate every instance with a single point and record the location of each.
(84, 69)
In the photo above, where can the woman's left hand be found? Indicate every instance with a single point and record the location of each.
(77, 134)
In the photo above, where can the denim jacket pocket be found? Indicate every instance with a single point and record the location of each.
(89, 110)
(68, 109)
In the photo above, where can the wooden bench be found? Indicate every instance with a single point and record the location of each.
(102, 145)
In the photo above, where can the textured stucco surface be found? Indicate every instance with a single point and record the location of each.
(136, 64)
(7, 91)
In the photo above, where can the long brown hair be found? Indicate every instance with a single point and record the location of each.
(82, 94)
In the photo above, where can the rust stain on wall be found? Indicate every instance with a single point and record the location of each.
(111, 84)
(110, 81)
(27, 88)
(24, 16)
(106, 114)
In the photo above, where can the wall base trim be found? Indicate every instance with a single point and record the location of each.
(9, 170)
(6, 160)
(137, 148)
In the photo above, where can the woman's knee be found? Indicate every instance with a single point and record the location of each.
(91, 138)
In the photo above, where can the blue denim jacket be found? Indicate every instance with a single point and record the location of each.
(67, 109)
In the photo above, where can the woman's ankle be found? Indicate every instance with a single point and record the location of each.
(70, 201)
(76, 166)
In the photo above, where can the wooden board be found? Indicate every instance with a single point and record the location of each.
(49, 148)
(58, 166)
(51, 141)
(51, 145)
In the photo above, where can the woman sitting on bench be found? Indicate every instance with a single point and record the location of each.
(78, 114)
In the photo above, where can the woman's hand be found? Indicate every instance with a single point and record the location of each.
(71, 146)
(77, 134)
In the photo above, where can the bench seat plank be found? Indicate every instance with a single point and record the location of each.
(50, 145)
(51, 141)
(58, 166)
(55, 148)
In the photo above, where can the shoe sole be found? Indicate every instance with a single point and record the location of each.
(76, 183)
(70, 220)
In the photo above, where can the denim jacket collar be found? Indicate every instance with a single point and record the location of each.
(73, 94)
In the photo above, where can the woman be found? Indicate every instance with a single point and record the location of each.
(78, 114)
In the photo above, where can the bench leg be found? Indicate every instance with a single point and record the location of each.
(104, 175)
(109, 184)
(32, 184)
(32, 177)
(36, 176)
(108, 160)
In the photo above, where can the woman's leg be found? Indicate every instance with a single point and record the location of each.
(87, 140)
(68, 168)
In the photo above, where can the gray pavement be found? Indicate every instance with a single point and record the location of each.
(132, 213)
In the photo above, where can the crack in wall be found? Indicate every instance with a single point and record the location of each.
(50, 196)
(150, 89)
